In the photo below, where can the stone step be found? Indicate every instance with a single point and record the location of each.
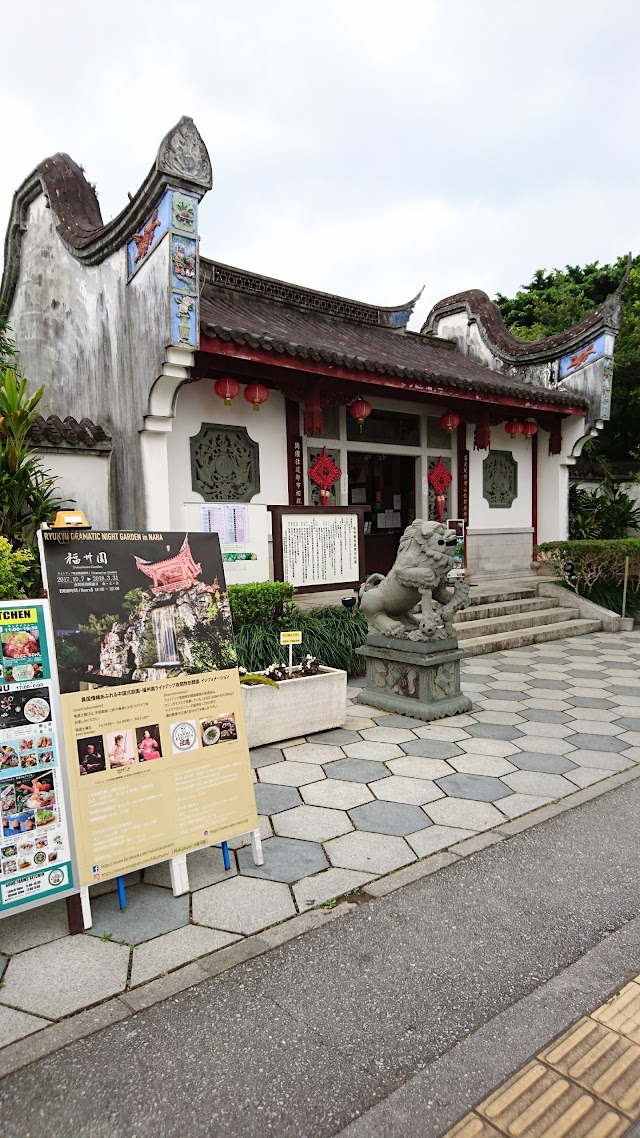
(496, 625)
(494, 594)
(519, 637)
(505, 608)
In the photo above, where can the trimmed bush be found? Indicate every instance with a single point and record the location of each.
(260, 603)
(595, 569)
(19, 572)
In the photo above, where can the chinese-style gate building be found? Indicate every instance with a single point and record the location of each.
(144, 341)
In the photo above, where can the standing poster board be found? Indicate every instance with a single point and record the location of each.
(36, 856)
(156, 747)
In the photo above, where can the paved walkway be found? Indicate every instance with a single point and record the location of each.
(341, 809)
(394, 1019)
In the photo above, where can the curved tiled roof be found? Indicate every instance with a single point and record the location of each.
(287, 330)
(68, 432)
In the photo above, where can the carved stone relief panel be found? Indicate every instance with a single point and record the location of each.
(225, 464)
(400, 679)
(443, 681)
(500, 479)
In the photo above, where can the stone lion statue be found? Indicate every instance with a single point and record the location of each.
(418, 578)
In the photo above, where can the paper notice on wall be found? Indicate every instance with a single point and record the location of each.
(231, 523)
(397, 501)
(359, 495)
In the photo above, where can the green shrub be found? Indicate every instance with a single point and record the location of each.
(605, 513)
(19, 572)
(330, 634)
(261, 603)
(590, 566)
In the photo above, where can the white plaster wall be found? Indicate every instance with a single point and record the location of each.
(83, 479)
(481, 515)
(95, 342)
(553, 492)
(197, 403)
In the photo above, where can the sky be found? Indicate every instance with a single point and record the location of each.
(361, 147)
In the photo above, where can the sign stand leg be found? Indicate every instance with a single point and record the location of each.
(256, 847)
(86, 906)
(226, 860)
(75, 915)
(122, 896)
(179, 875)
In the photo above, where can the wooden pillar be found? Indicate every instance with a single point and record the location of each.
(534, 491)
(295, 474)
(463, 473)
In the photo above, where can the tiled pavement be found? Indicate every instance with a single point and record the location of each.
(341, 808)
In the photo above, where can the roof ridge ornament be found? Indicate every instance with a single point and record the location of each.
(183, 154)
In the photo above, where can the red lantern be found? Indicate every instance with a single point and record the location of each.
(529, 428)
(514, 427)
(256, 393)
(360, 410)
(449, 421)
(227, 389)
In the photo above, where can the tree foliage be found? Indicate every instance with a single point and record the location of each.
(554, 301)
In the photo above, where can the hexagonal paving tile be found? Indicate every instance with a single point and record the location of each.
(243, 905)
(401, 721)
(337, 737)
(517, 804)
(318, 753)
(15, 1025)
(480, 787)
(596, 742)
(291, 774)
(494, 731)
(629, 724)
(497, 748)
(357, 770)
(584, 701)
(414, 766)
(285, 859)
(426, 842)
(371, 853)
(324, 886)
(545, 746)
(176, 948)
(265, 756)
(540, 715)
(271, 798)
(608, 760)
(545, 785)
(586, 776)
(37, 926)
(80, 970)
(546, 730)
(389, 818)
(442, 730)
(337, 794)
(544, 764)
(312, 823)
(510, 719)
(150, 912)
(205, 867)
(482, 764)
(498, 695)
(413, 791)
(387, 734)
(431, 749)
(371, 751)
(464, 814)
(595, 727)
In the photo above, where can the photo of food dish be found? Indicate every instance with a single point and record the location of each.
(52, 857)
(26, 744)
(8, 798)
(26, 847)
(8, 758)
(10, 866)
(36, 709)
(22, 645)
(148, 741)
(24, 863)
(45, 757)
(219, 730)
(45, 741)
(120, 748)
(9, 851)
(29, 760)
(42, 843)
(40, 858)
(58, 840)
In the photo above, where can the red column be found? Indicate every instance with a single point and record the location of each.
(534, 491)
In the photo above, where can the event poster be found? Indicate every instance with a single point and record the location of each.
(35, 854)
(156, 748)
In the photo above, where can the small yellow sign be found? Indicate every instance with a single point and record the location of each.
(291, 638)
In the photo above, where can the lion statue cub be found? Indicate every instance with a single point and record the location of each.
(413, 602)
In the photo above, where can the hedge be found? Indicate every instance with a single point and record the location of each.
(588, 565)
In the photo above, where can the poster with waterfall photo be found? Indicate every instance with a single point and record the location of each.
(148, 671)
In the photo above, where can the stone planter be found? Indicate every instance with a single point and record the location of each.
(297, 707)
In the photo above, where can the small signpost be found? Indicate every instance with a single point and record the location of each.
(291, 638)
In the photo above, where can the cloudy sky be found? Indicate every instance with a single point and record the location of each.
(363, 147)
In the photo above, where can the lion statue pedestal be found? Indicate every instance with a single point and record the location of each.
(413, 659)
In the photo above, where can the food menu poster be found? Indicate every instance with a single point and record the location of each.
(156, 750)
(35, 853)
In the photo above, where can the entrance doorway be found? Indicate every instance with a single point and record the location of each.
(385, 484)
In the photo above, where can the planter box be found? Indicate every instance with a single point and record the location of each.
(297, 707)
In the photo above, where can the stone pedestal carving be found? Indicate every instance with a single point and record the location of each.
(409, 677)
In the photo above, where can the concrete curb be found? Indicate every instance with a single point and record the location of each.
(82, 1024)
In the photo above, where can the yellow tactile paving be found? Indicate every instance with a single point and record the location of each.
(584, 1085)
(539, 1103)
(622, 1013)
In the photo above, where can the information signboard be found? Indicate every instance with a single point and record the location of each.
(156, 747)
(318, 548)
(36, 862)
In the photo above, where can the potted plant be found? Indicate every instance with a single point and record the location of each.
(281, 705)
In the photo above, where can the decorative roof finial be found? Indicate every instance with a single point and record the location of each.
(183, 154)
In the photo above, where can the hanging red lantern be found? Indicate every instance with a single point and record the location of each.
(529, 428)
(514, 427)
(360, 410)
(256, 393)
(449, 421)
(227, 389)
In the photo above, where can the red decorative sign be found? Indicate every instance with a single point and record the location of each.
(439, 480)
(324, 472)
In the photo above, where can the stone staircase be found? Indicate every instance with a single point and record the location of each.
(510, 615)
